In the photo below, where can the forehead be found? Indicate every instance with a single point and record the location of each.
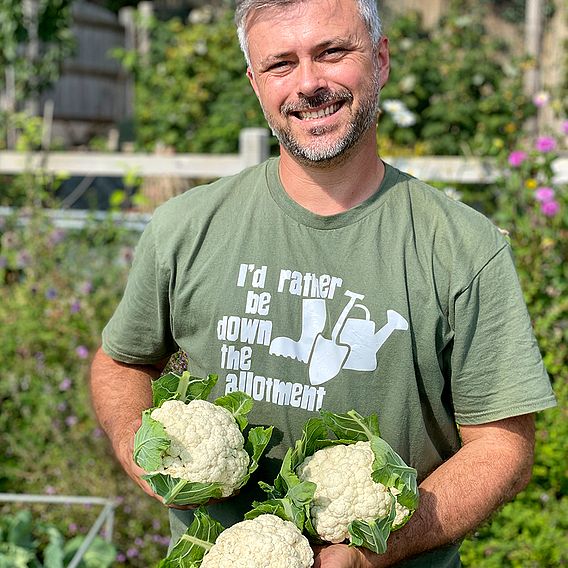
(302, 23)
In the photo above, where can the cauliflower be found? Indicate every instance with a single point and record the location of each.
(265, 541)
(345, 490)
(341, 481)
(192, 449)
(206, 444)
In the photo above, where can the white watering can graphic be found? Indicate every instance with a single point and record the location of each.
(353, 344)
(360, 335)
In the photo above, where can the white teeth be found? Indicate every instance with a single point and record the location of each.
(319, 113)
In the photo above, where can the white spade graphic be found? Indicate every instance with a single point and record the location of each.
(327, 356)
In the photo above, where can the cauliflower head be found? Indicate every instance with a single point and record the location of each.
(266, 541)
(206, 443)
(345, 490)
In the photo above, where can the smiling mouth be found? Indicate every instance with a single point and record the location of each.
(321, 113)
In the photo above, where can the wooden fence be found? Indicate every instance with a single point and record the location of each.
(253, 149)
(93, 92)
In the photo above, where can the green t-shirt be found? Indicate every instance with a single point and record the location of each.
(407, 306)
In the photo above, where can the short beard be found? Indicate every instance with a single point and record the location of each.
(324, 154)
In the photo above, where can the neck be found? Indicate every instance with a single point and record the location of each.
(333, 188)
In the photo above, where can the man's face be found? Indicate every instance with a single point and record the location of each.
(317, 76)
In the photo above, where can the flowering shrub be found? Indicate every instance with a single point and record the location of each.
(460, 84)
(533, 208)
(58, 288)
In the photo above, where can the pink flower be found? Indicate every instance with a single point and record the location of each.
(517, 157)
(544, 194)
(82, 352)
(541, 99)
(545, 144)
(550, 208)
(565, 127)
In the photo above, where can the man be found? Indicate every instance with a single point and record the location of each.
(327, 279)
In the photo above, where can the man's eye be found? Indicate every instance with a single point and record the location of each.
(279, 65)
(334, 51)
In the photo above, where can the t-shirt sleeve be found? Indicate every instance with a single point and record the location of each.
(497, 368)
(139, 331)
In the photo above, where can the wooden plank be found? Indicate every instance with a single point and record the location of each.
(117, 165)
(447, 169)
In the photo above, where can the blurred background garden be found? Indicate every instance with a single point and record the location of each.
(478, 93)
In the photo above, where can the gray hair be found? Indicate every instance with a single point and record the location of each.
(367, 10)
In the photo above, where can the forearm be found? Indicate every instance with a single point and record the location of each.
(119, 394)
(488, 471)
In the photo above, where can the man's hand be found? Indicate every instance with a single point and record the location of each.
(341, 556)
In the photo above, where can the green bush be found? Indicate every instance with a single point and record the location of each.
(192, 93)
(461, 89)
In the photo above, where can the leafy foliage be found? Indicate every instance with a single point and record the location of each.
(32, 76)
(469, 102)
(192, 93)
(190, 549)
(27, 543)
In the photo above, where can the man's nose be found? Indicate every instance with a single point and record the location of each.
(310, 78)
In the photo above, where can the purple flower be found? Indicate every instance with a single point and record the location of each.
(51, 293)
(544, 194)
(86, 287)
(3, 262)
(545, 144)
(71, 421)
(75, 307)
(23, 259)
(550, 208)
(96, 433)
(72, 528)
(82, 352)
(516, 158)
(62, 406)
(57, 236)
(120, 557)
(65, 384)
(132, 552)
(50, 490)
(138, 541)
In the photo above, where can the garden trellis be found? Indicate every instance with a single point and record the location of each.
(106, 516)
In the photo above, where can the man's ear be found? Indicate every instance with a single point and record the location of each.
(383, 60)
(252, 81)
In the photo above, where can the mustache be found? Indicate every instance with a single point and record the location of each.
(322, 97)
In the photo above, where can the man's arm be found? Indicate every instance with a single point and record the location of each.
(493, 465)
(120, 393)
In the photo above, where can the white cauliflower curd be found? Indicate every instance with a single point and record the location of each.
(206, 443)
(345, 490)
(266, 541)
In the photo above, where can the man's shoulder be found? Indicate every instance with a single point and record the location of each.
(442, 209)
